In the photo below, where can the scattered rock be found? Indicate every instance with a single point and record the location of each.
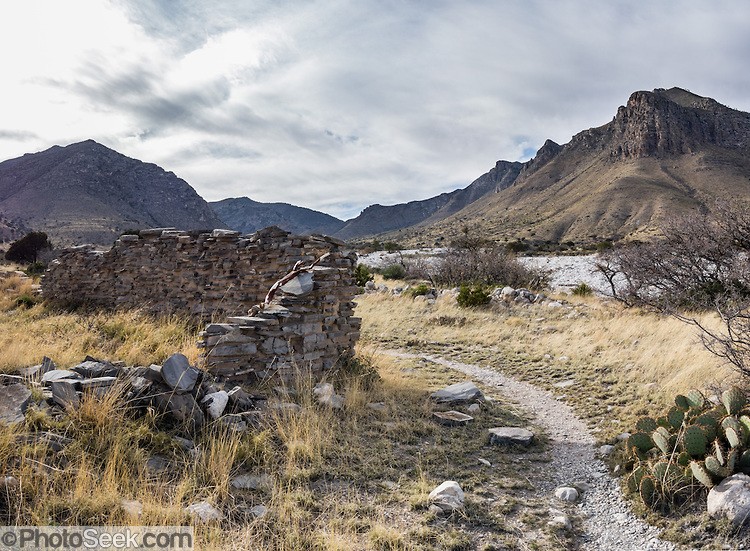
(448, 496)
(132, 507)
(240, 400)
(565, 384)
(561, 521)
(460, 393)
(36, 371)
(286, 406)
(731, 499)
(9, 483)
(378, 406)
(204, 511)
(474, 408)
(157, 464)
(566, 493)
(179, 374)
(326, 396)
(14, 400)
(217, 402)
(606, 449)
(435, 510)
(64, 394)
(452, 418)
(182, 407)
(262, 482)
(484, 462)
(259, 511)
(623, 436)
(92, 368)
(58, 375)
(511, 435)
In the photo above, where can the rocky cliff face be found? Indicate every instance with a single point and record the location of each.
(88, 193)
(247, 216)
(664, 153)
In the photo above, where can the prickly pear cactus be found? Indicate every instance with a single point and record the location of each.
(734, 400)
(645, 424)
(699, 472)
(694, 441)
(676, 416)
(641, 441)
(682, 402)
(648, 490)
(696, 399)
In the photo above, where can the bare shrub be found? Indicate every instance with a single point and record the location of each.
(700, 264)
(476, 262)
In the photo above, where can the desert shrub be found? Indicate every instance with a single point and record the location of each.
(35, 268)
(391, 247)
(486, 265)
(582, 290)
(472, 296)
(700, 263)
(27, 248)
(25, 301)
(362, 275)
(394, 271)
(517, 246)
(419, 290)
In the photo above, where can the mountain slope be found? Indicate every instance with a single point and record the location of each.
(665, 152)
(377, 219)
(245, 215)
(88, 193)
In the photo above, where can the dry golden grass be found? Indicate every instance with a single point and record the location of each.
(626, 358)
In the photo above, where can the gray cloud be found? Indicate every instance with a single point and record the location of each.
(17, 135)
(337, 104)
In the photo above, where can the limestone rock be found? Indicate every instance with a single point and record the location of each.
(179, 374)
(731, 499)
(326, 396)
(132, 507)
(452, 418)
(217, 402)
(64, 394)
(566, 493)
(57, 375)
(14, 399)
(458, 393)
(299, 286)
(448, 496)
(259, 511)
(252, 482)
(204, 511)
(511, 435)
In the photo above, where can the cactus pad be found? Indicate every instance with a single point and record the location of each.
(661, 441)
(696, 399)
(694, 441)
(676, 416)
(648, 490)
(681, 402)
(699, 472)
(734, 439)
(645, 424)
(714, 467)
(683, 460)
(641, 441)
(733, 399)
(709, 424)
(733, 460)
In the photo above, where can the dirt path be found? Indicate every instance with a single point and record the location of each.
(607, 521)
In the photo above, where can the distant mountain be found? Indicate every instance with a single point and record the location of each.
(665, 152)
(88, 193)
(247, 216)
(377, 219)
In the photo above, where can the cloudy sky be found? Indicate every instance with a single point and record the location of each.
(339, 104)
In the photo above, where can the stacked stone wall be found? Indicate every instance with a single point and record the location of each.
(221, 276)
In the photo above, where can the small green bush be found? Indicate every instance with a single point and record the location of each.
(419, 290)
(582, 290)
(25, 301)
(394, 271)
(35, 268)
(472, 296)
(362, 275)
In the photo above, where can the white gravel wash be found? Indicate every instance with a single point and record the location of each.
(607, 521)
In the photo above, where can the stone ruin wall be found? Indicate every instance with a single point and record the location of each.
(218, 278)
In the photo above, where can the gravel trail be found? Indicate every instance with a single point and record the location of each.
(607, 521)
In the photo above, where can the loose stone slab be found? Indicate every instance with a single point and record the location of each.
(64, 394)
(14, 399)
(458, 393)
(566, 493)
(204, 511)
(452, 418)
(58, 375)
(179, 374)
(252, 482)
(511, 435)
